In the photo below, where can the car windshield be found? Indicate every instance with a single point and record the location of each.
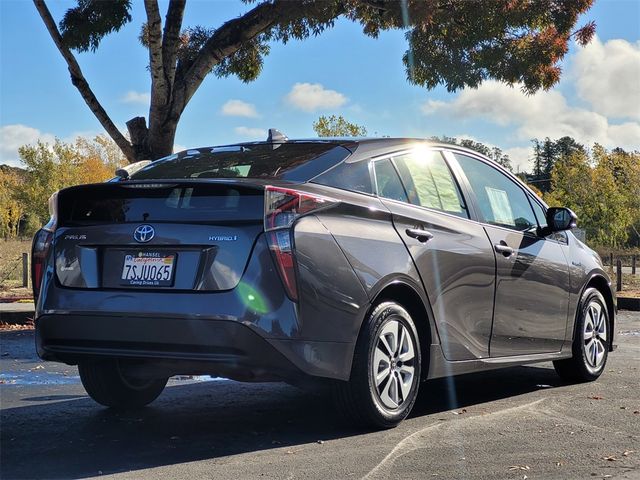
(289, 161)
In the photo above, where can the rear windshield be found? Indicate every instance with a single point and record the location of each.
(287, 161)
(114, 203)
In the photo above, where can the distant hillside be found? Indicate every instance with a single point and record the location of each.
(20, 172)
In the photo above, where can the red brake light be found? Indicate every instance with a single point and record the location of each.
(282, 207)
(39, 252)
(40, 248)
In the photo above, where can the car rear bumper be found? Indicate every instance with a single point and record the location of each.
(171, 346)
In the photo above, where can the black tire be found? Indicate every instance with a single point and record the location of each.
(359, 399)
(105, 383)
(589, 359)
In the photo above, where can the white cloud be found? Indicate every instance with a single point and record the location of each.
(14, 136)
(520, 158)
(310, 97)
(238, 108)
(253, 133)
(536, 116)
(607, 76)
(604, 75)
(136, 97)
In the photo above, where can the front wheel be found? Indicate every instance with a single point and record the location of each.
(591, 340)
(107, 383)
(385, 375)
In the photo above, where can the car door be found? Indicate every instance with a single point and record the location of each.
(532, 274)
(451, 253)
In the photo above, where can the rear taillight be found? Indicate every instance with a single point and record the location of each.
(39, 252)
(282, 206)
(40, 249)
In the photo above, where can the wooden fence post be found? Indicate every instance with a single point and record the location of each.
(633, 264)
(619, 275)
(25, 270)
(611, 259)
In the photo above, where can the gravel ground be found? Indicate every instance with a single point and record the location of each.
(518, 423)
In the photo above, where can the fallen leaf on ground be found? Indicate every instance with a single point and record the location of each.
(595, 397)
(519, 467)
(626, 453)
(610, 458)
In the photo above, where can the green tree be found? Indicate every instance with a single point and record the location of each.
(337, 126)
(600, 201)
(458, 43)
(537, 159)
(624, 167)
(545, 155)
(10, 208)
(566, 146)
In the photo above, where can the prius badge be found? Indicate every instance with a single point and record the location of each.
(144, 233)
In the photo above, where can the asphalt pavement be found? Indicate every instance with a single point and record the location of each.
(517, 423)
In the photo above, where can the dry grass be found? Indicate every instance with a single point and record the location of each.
(11, 265)
(630, 285)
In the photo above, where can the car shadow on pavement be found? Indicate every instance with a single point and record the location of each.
(73, 438)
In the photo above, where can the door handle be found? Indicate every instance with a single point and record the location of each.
(504, 249)
(419, 234)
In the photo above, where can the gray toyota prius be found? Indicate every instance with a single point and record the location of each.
(367, 266)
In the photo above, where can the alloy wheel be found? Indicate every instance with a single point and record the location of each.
(595, 335)
(393, 370)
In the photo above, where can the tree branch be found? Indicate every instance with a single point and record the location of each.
(227, 40)
(78, 80)
(171, 39)
(154, 32)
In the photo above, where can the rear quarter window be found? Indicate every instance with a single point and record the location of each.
(348, 176)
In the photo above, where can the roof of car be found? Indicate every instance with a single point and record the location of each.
(366, 147)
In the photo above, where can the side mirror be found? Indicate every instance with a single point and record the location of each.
(560, 218)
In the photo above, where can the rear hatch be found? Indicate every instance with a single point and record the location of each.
(175, 235)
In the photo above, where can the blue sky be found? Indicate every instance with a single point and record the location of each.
(341, 72)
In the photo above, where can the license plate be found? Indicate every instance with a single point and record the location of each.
(148, 269)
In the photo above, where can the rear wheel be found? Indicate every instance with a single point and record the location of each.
(385, 375)
(591, 341)
(108, 384)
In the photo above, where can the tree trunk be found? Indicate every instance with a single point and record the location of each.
(151, 144)
(161, 140)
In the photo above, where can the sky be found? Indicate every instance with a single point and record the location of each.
(339, 72)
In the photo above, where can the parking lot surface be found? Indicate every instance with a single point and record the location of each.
(518, 423)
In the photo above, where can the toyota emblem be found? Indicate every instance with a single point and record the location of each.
(144, 233)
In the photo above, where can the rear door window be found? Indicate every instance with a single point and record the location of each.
(429, 182)
(388, 182)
